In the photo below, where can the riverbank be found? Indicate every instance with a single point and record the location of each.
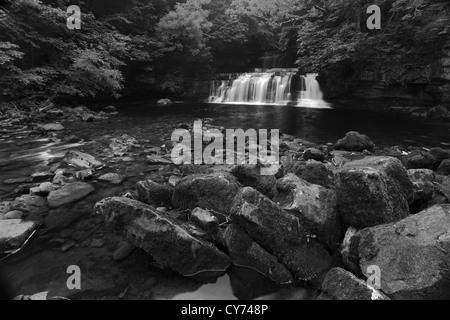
(61, 196)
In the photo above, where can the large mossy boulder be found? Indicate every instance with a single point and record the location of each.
(167, 240)
(412, 254)
(214, 191)
(314, 205)
(281, 234)
(373, 191)
(354, 141)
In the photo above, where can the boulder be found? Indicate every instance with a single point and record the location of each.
(155, 194)
(314, 154)
(424, 188)
(373, 191)
(418, 159)
(440, 154)
(281, 235)
(311, 171)
(340, 284)
(164, 102)
(5, 206)
(412, 254)
(244, 252)
(214, 191)
(173, 181)
(444, 168)
(205, 220)
(85, 174)
(163, 237)
(69, 193)
(46, 187)
(250, 176)
(113, 178)
(354, 141)
(13, 233)
(81, 160)
(30, 204)
(314, 205)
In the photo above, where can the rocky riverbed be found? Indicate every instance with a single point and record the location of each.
(140, 227)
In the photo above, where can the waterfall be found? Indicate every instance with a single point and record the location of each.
(312, 87)
(277, 86)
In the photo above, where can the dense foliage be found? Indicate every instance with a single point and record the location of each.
(151, 45)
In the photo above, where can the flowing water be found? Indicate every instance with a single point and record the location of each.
(41, 266)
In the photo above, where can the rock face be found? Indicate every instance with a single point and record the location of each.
(250, 176)
(81, 160)
(420, 160)
(244, 252)
(214, 192)
(311, 171)
(412, 254)
(340, 284)
(13, 233)
(373, 191)
(354, 141)
(154, 194)
(164, 238)
(281, 234)
(69, 193)
(314, 205)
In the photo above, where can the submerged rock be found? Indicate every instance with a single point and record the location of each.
(69, 193)
(340, 284)
(164, 238)
(244, 252)
(412, 254)
(50, 127)
(373, 191)
(81, 160)
(354, 141)
(155, 194)
(213, 191)
(314, 205)
(281, 234)
(113, 178)
(13, 233)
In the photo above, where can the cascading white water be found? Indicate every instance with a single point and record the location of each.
(268, 88)
(312, 90)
